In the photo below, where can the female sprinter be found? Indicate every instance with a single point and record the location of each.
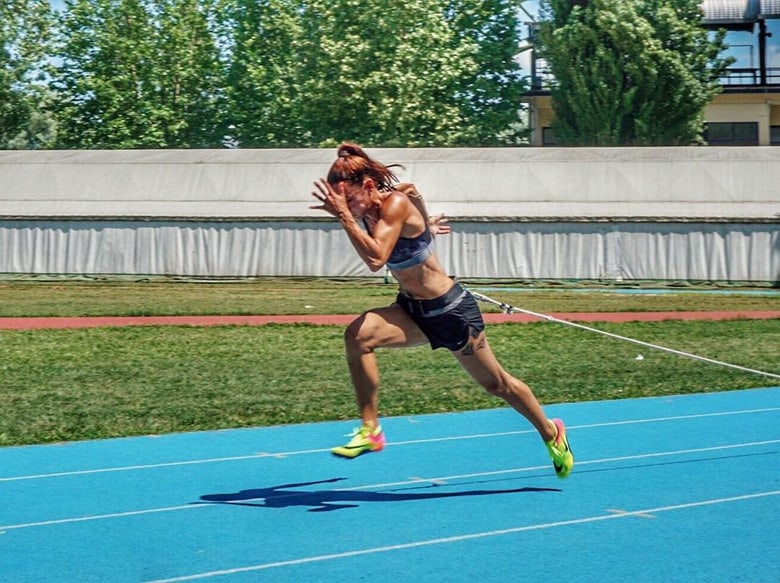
(430, 307)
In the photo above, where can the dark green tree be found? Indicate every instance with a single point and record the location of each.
(381, 72)
(25, 27)
(636, 72)
(104, 77)
(137, 74)
(190, 73)
(417, 73)
(490, 96)
(192, 92)
(263, 84)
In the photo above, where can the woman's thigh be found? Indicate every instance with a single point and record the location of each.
(478, 360)
(389, 327)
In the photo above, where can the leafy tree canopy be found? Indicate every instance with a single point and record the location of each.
(381, 72)
(25, 26)
(136, 74)
(630, 72)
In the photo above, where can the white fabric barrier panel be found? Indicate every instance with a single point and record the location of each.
(528, 183)
(614, 251)
(202, 249)
(699, 213)
(534, 250)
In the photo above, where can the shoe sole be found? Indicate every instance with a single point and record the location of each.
(353, 452)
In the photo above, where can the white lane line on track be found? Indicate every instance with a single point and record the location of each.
(465, 537)
(410, 482)
(281, 455)
(98, 517)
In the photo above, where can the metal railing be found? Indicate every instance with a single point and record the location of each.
(733, 77)
(749, 76)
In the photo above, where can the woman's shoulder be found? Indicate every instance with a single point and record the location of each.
(407, 188)
(395, 198)
(396, 206)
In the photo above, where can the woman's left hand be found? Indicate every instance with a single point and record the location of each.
(439, 225)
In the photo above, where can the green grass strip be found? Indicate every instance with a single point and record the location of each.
(63, 385)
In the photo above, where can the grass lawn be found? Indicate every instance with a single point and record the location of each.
(60, 385)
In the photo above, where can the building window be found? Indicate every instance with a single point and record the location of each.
(732, 134)
(548, 137)
(774, 135)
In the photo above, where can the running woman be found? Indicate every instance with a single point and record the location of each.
(397, 232)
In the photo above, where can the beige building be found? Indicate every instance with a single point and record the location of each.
(747, 112)
(737, 118)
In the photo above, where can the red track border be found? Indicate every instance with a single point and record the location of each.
(343, 319)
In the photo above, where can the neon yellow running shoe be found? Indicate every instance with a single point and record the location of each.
(560, 452)
(364, 439)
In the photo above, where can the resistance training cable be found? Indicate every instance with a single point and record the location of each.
(509, 309)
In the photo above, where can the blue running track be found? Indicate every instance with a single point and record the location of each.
(665, 489)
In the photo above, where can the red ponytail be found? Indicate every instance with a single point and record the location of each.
(353, 165)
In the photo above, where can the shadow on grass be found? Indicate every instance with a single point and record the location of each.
(286, 496)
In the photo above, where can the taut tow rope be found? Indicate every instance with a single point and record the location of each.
(510, 309)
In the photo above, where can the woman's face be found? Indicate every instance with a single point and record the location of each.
(357, 197)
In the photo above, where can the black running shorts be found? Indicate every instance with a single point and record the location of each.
(447, 321)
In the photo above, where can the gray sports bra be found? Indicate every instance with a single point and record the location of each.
(409, 251)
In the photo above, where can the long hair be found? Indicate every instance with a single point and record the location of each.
(353, 165)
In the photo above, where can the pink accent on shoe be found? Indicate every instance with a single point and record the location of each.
(559, 429)
(378, 441)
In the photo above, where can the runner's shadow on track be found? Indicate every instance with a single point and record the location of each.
(286, 496)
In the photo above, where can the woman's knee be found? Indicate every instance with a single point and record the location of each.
(495, 385)
(503, 385)
(359, 333)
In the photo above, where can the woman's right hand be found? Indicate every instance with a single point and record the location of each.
(333, 201)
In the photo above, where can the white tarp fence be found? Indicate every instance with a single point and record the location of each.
(630, 251)
(632, 213)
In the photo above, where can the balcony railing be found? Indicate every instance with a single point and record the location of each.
(749, 77)
(733, 77)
